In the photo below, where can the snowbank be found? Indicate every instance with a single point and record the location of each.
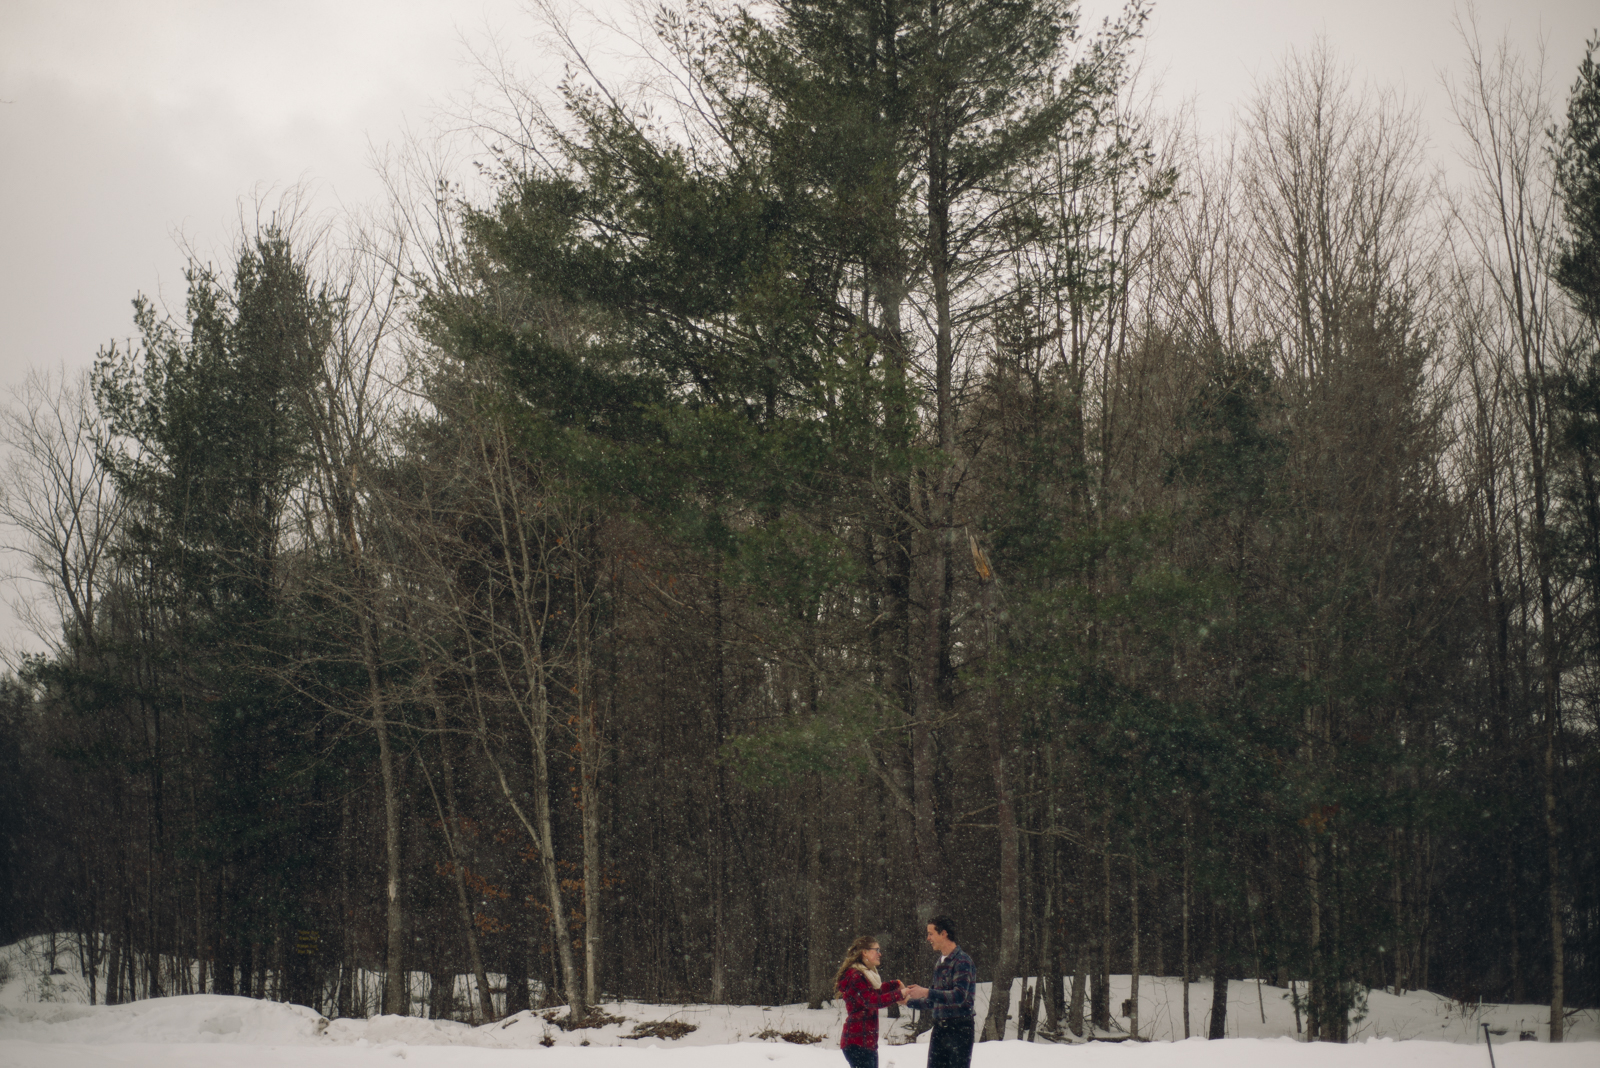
(1195, 1053)
(44, 1023)
(194, 1018)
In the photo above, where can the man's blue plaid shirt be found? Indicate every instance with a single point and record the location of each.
(955, 982)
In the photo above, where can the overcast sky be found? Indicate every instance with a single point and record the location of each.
(126, 125)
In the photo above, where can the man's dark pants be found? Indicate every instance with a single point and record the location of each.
(950, 1045)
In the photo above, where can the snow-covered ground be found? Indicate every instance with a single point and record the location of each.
(44, 1023)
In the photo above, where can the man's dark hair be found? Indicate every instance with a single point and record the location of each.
(944, 925)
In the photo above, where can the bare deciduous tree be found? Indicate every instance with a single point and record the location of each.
(59, 500)
(1509, 228)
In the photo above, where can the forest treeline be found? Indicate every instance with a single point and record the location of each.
(887, 470)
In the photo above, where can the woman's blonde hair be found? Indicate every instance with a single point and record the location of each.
(855, 955)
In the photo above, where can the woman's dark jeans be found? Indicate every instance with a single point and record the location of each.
(861, 1057)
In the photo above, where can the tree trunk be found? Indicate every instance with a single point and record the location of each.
(1277, 914)
(1188, 963)
(280, 964)
(223, 972)
(817, 954)
(1050, 974)
(718, 844)
(578, 1008)
(1100, 992)
(458, 863)
(1076, 1009)
(1133, 935)
(994, 1024)
(516, 977)
(1219, 979)
(1255, 949)
(441, 995)
(593, 864)
(114, 973)
(1538, 430)
(88, 959)
(1219, 1003)
(1158, 966)
(343, 997)
(152, 960)
(1558, 985)
(1315, 992)
(1424, 898)
(258, 967)
(925, 793)
(1397, 936)
(130, 965)
(538, 828)
(1513, 954)
(936, 694)
(1336, 990)
(199, 936)
(900, 659)
(395, 995)
(1005, 817)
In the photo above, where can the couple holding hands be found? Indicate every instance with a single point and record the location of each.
(949, 999)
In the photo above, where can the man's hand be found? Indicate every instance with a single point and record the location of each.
(916, 992)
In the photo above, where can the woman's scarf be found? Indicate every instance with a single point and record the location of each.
(872, 976)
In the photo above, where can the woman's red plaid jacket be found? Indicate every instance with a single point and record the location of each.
(861, 1005)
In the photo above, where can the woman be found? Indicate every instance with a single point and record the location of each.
(864, 994)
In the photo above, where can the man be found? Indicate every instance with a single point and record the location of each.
(955, 980)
